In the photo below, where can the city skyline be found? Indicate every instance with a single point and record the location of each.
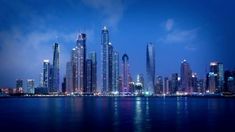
(169, 32)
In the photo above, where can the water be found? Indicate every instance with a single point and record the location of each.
(117, 114)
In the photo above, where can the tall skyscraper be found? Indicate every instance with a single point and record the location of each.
(105, 60)
(81, 44)
(125, 73)
(92, 57)
(115, 71)
(150, 68)
(74, 71)
(30, 86)
(218, 70)
(186, 77)
(69, 78)
(88, 89)
(56, 70)
(46, 74)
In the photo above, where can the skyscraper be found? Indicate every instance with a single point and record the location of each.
(125, 73)
(74, 71)
(19, 86)
(218, 70)
(150, 68)
(110, 67)
(81, 44)
(92, 56)
(186, 77)
(46, 74)
(88, 89)
(212, 82)
(166, 86)
(64, 85)
(69, 78)
(56, 70)
(30, 86)
(115, 71)
(174, 83)
(105, 60)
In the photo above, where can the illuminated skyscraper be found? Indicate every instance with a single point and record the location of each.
(69, 78)
(30, 86)
(140, 79)
(110, 67)
(218, 70)
(88, 89)
(46, 74)
(150, 68)
(73, 68)
(115, 71)
(92, 56)
(56, 70)
(105, 60)
(125, 73)
(212, 82)
(186, 77)
(81, 44)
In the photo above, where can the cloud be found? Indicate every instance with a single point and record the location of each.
(111, 9)
(169, 24)
(22, 53)
(185, 37)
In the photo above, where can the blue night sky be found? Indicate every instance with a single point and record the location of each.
(199, 31)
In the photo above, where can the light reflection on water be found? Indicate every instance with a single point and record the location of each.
(118, 114)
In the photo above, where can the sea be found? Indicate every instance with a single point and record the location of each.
(119, 114)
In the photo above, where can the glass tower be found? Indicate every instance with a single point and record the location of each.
(186, 77)
(81, 44)
(125, 73)
(150, 68)
(55, 71)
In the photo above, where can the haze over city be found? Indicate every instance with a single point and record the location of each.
(198, 31)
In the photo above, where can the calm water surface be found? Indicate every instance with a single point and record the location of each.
(117, 114)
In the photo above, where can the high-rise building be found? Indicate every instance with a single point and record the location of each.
(55, 71)
(166, 86)
(92, 57)
(69, 78)
(229, 81)
(46, 74)
(194, 82)
(110, 68)
(150, 68)
(115, 71)
(81, 44)
(74, 86)
(174, 83)
(140, 79)
(125, 73)
(64, 85)
(19, 86)
(106, 58)
(218, 70)
(212, 82)
(186, 77)
(88, 89)
(30, 86)
(159, 85)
